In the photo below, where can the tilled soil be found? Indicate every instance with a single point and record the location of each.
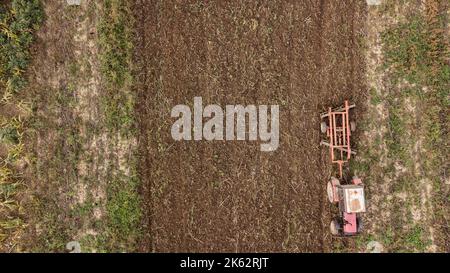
(228, 195)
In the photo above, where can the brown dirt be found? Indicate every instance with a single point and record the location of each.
(228, 196)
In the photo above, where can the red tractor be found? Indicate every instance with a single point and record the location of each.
(351, 202)
(347, 194)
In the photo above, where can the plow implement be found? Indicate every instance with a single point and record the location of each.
(338, 127)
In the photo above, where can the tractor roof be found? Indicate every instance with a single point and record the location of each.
(353, 198)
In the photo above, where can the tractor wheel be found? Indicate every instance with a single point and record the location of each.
(335, 228)
(352, 126)
(323, 127)
(330, 192)
(330, 186)
(360, 224)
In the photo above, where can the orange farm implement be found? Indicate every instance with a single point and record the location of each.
(337, 125)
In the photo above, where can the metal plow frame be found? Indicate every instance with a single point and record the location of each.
(339, 132)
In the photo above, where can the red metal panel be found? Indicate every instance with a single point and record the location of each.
(350, 223)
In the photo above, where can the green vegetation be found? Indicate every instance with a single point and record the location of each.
(17, 24)
(56, 167)
(90, 161)
(115, 40)
(124, 210)
(10, 176)
(406, 48)
(100, 204)
(415, 144)
(416, 51)
(415, 239)
(18, 21)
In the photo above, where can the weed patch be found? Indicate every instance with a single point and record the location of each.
(115, 40)
(116, 46)
(18, 21)
(415, 98)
